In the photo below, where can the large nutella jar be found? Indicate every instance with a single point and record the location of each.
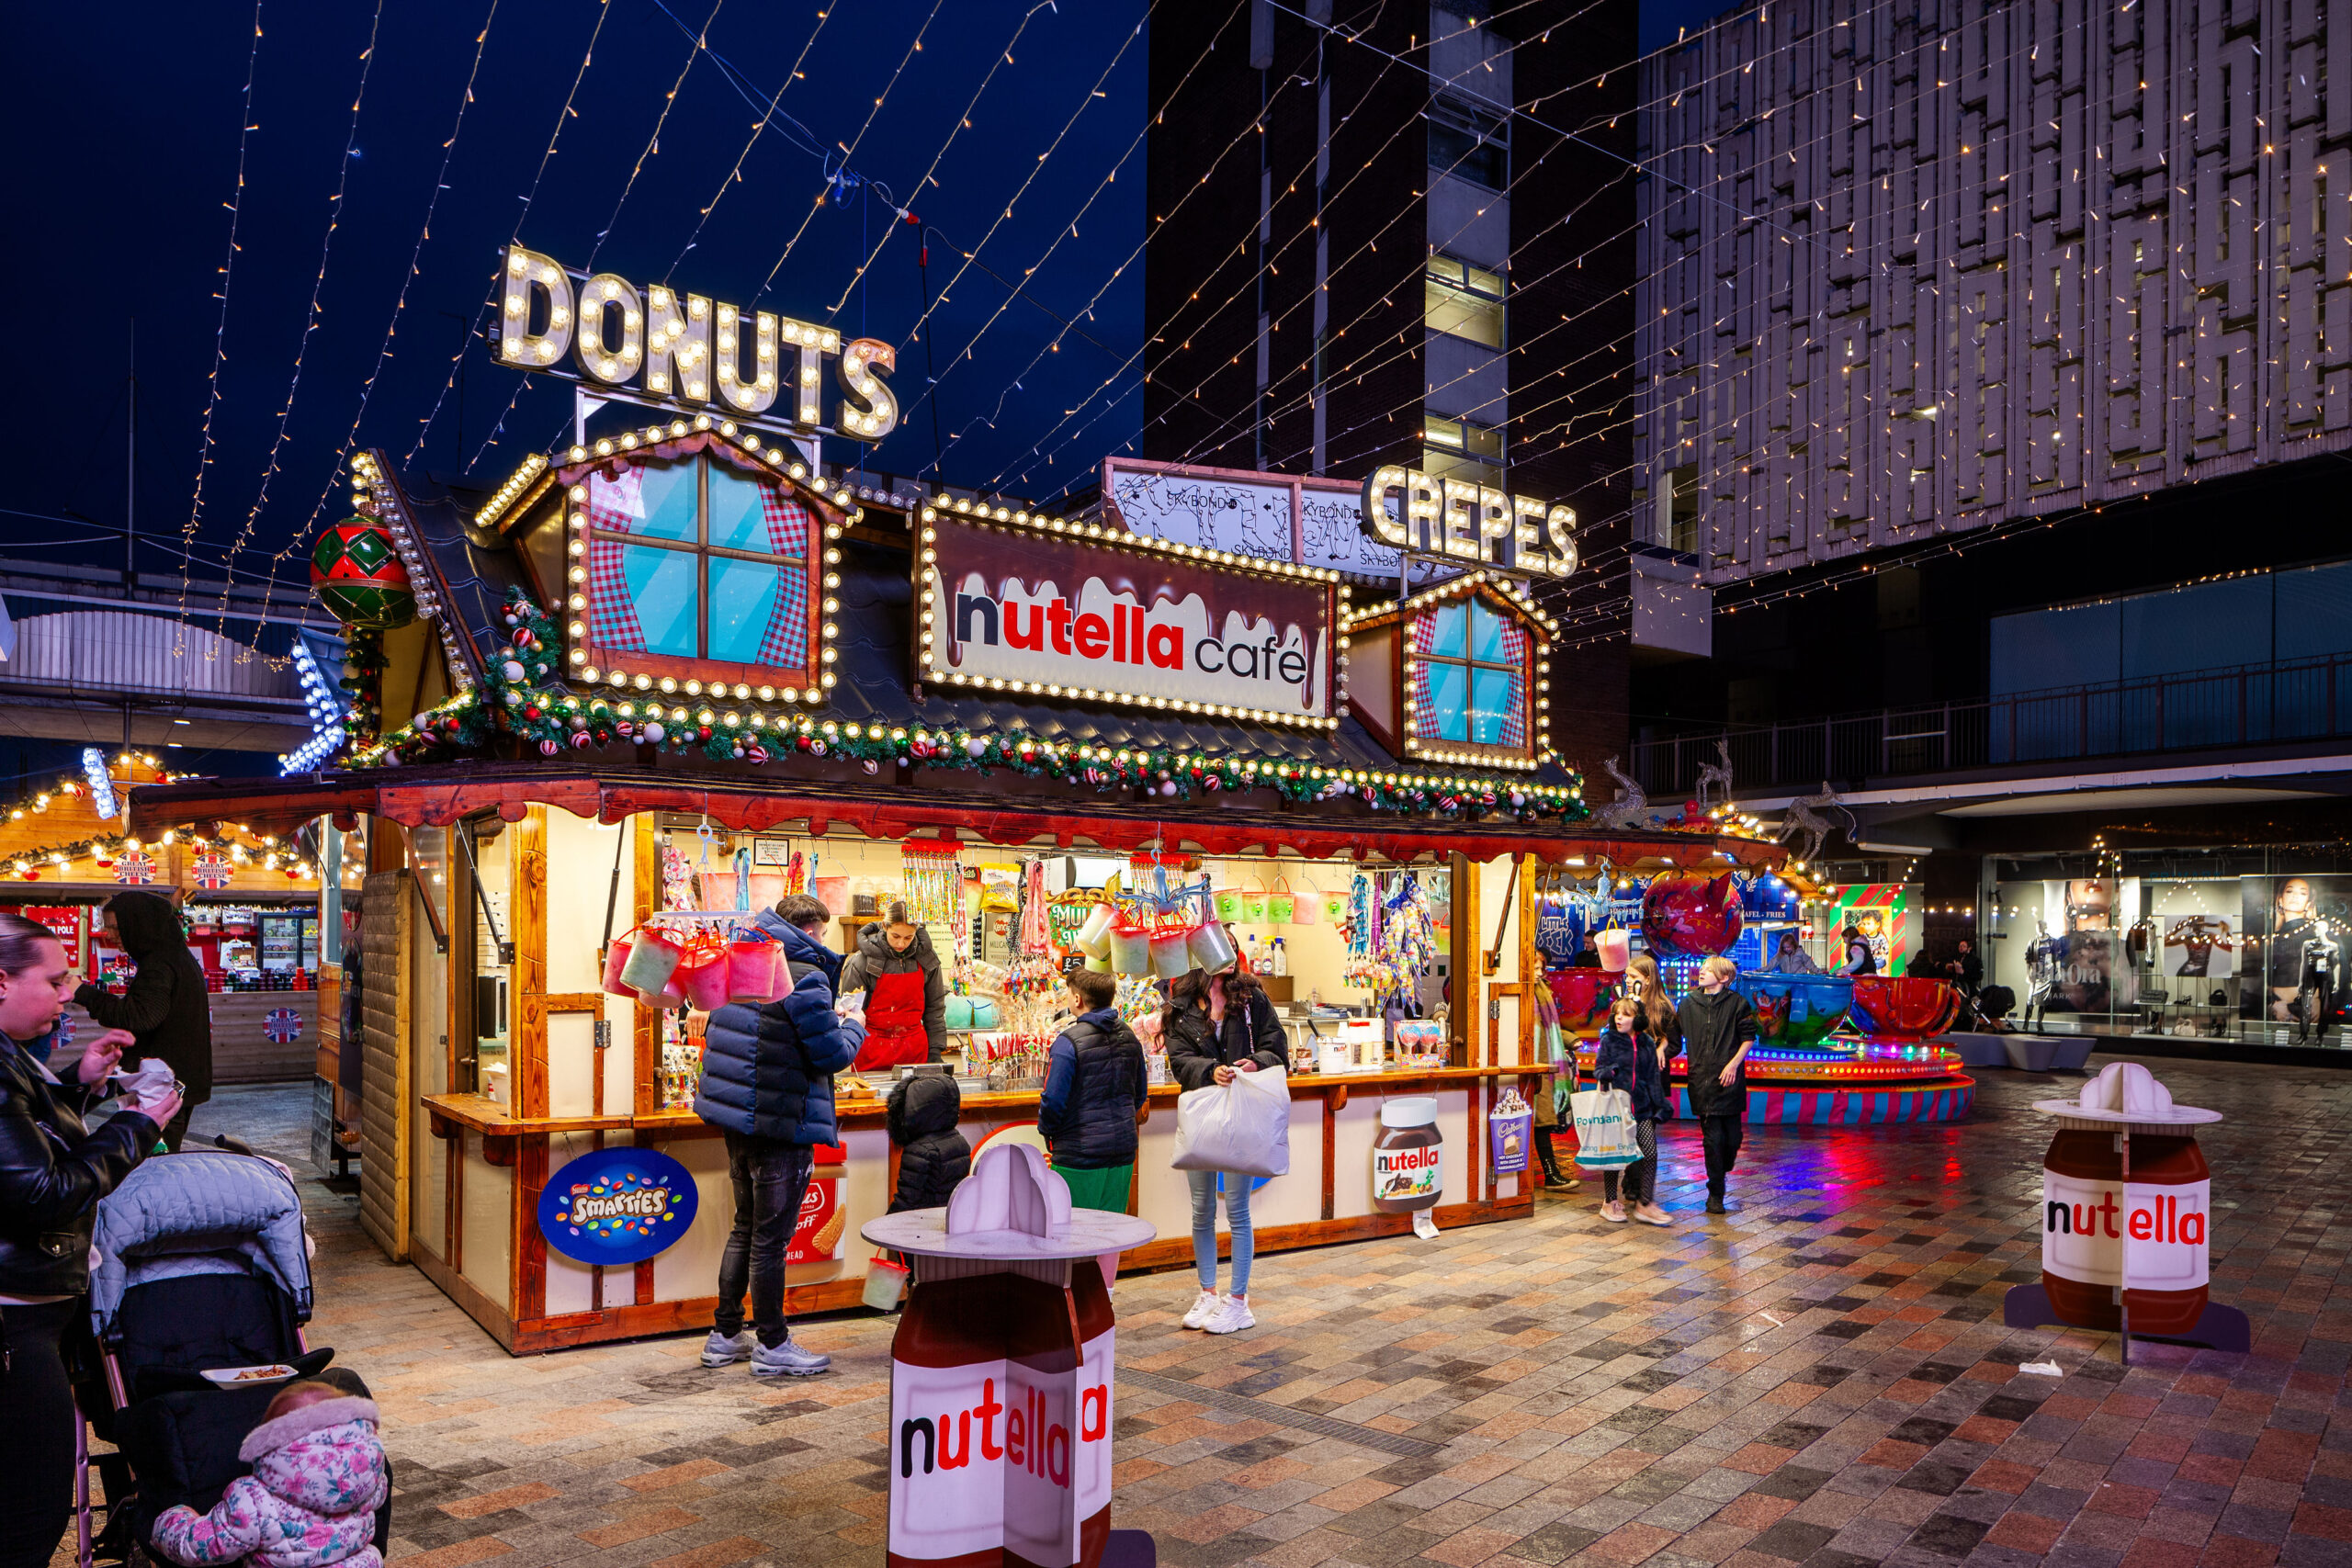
(2090, 1213)
(1408, 1163)
(1001, 1416)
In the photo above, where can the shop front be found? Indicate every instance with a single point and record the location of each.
(657, 679)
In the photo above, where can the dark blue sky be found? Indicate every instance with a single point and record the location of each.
(124, 156)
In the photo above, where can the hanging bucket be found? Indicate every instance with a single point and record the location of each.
(1094, 938)
(1307, 910)
(1228, 903)
(1335, 909)
(1171, 954)
(707, 982)
(1281, 906)
(1098, 965)
(1211, 947)
(752, 972)
(1616, 949)
(615, 962)
(651, 960)
(1130, 952)
(1253, 906)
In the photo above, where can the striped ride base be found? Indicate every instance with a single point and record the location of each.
(1937, 1099)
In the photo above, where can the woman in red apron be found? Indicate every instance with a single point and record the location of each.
(905, 996)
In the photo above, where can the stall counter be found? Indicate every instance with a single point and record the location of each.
(551, 1302)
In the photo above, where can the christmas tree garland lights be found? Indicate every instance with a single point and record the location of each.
(520, 699)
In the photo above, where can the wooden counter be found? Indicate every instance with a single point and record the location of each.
(1325, 1199)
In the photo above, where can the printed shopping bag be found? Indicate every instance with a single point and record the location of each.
(1604, 1119)
(1509, 1136)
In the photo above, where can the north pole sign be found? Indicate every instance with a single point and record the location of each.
(1075, 610)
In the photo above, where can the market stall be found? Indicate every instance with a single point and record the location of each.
(1010, 720)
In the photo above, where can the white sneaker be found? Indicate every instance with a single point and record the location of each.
(1233, 1317)
(1203, 1309)
(720, 1350)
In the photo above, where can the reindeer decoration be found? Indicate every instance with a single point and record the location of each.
(1630, 803)
(1805, 815)
(1716, 775)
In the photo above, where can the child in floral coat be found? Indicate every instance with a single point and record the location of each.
(318, 1476)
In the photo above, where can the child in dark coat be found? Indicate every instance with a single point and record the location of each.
(932, 1155)
(1631, 1058)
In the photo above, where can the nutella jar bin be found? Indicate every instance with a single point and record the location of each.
(1407, 1159)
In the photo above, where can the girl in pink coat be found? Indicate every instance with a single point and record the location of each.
(318, 1476)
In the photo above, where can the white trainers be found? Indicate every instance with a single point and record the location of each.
(722, 1350)
(1233, 1317)
(1203, 1309)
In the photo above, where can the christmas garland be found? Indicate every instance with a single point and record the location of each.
(520, 698)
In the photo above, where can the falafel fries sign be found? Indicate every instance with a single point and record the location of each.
(1076, 610)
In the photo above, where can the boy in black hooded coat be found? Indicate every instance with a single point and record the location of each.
(932, 1155)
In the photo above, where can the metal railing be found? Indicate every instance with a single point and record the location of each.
(2253, 705)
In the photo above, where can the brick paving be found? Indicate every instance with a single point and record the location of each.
(1823, 1377)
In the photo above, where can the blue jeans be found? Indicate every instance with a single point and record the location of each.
(1236, 1207)
(769, 1178)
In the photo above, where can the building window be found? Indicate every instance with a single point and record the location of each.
(1468, 681)
(1469, 144)
(1464, 300)
(694, 561)
(1458, 450)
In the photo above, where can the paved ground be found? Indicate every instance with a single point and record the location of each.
(1823, 1377)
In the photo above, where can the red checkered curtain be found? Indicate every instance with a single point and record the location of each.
(1422, 636)
(786, 643)
(1514, 636)
(613, 505)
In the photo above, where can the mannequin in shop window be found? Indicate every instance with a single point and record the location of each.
(2042, 962)
(2322, 960)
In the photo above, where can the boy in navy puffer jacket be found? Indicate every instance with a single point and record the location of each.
(1630, 1058)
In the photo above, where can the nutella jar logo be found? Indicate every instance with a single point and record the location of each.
(2085, 1225)
(1408, 1157)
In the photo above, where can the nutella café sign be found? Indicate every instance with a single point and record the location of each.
(686, 349)
(1106, 616)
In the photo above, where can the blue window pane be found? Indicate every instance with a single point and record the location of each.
(1446, 638)
(739, 518)
(1494, 693)
(1449, 700)
(744, 605)
(666, 597)
(1485, 634)
(666, 502)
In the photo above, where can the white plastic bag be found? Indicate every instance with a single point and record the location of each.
(1242, 1126)
(1604, 1119)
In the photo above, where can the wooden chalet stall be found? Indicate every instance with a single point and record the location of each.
(670, 669)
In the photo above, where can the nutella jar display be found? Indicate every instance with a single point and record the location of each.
(2127, 1205)
(1407, 1159)
(1001, 1373)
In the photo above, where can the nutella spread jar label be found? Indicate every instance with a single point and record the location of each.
(1407, 1159)
(2085, 1225)
(999, 1435)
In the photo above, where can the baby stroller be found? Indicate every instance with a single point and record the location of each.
(202, 1268)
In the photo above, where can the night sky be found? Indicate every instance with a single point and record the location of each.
(126, 153)
(127, 159)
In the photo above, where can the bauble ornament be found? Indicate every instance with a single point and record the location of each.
(358, 576)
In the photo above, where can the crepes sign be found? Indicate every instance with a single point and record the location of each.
(1075, 611)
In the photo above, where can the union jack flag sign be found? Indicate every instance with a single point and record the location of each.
(212, 871)
(136, 866)
(283, 1026)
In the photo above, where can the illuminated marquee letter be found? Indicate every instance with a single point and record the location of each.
(527, 276)
(685, 340)
(1422, 505)
(814, 342)
(860, 357)
(1560, 523)
(1461, 525)
(600, 358)
(753, 395)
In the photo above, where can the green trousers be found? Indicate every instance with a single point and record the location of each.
(1104, 1188)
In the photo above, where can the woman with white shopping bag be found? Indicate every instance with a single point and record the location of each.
(1218, 1027)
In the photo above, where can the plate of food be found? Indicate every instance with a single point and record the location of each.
(233, 1377)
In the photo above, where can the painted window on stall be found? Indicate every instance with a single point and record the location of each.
(695, 560)
(1468, 676)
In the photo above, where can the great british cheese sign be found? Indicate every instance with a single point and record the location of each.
(1073, 610)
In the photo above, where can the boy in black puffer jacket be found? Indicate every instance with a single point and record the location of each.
(932, 1155)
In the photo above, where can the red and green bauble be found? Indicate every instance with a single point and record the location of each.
(359, 577)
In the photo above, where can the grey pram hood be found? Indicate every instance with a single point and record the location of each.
(204, 1212)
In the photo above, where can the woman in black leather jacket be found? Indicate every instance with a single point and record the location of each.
(53, 1170)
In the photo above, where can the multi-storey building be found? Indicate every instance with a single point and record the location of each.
(1994, 378)
(1401, 234)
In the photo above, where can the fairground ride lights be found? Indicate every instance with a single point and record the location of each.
(681, 345)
